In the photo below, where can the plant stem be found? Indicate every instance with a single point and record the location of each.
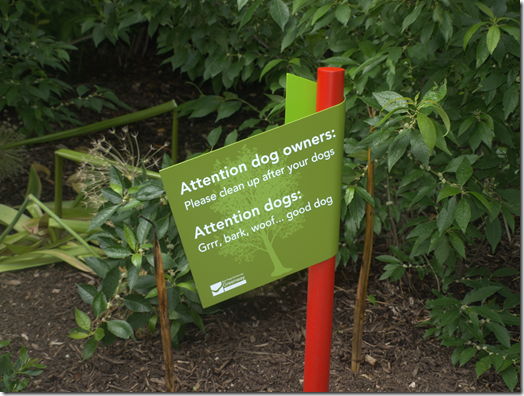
(31, 197)
(390, 212)
(98, 126)
(163, 312)
(174, 138)
(360, 303)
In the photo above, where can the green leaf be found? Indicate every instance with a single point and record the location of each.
(228, 108)
(364, 194)
(480, 294)
(470, 32)
(231, 138)
(466, 355)
(99, 303)
(152, 323)
(198, 321)
(423, 192)
(510, 100)
(390, 100)
(482, 366)
(82, 320)
(110, 282)
(152, 293)
(319, 13)
(491, 83)
(458, 244)
(515, 32)
(488, 313)
(510, 377)
(90, 348)
(412, 17)
(482, 52)
(442, 302)
(77, 335)
(187, 286)
(500, 332)
(437, 93)
(149, 192)
(447, 192)
(120, 328)
(214, 135)
(388, 259)
(398, 148)
(100, 267)
(446, 215)
(270, 65)
(463, 214)
(485, 9)
(449, 316)
(279, 12)
(464, 126)
(482, 200)
(130, 237)
(497, 359)
(419, 148)
(350, 193)
(115, 180)
(136, 259)
(87, 292)
(241, 4)
(505, 272)
(112, 196)
(343, 14)
(493, 37)
(132, 204)
(99, 334)
(102, 216)
(116, 251)
(493, 233)
(464, 171)
(137, 303)
(427, 129)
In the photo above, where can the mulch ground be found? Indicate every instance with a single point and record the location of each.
(253, 344)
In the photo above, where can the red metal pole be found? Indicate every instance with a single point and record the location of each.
(321, 279)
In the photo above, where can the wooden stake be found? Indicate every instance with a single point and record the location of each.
(163, 313)
(360, 303)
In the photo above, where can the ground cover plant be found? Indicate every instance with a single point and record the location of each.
(443, 79)
(11, 373)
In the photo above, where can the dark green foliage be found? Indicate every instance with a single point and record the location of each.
(29, 58)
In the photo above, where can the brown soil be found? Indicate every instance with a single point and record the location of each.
(254, 344)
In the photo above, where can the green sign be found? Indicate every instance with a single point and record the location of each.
(265, 207)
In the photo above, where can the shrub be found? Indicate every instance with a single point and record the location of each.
(126, 299)
(28, 59)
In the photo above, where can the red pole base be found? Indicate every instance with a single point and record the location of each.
(319, 325)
